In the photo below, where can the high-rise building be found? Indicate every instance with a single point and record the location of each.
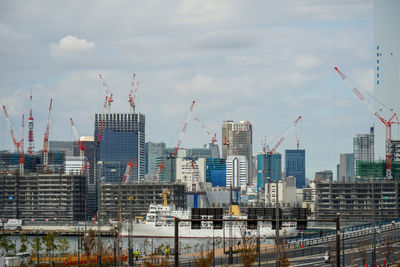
(66, 146)
(394, 149)
(346, 168)
(240, 137)
(155, 154)
(216, 167)
(295, 165)
(122, 139)
(387, 68)
(269, 168)
(236, 171)
(363, 148)
(191, 172)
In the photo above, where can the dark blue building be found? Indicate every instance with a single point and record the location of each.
(296, 165)
(269, 167)
(213, 164)
(122, 139)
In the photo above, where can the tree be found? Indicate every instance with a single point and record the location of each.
(280, 252)
(49, 241)
(88, 243)
(36, 244)
(248, 249)
(63, 245)
(204, 260)
(7, 245)
(24, 241)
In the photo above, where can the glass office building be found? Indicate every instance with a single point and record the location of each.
(295, 164)
(122, 139)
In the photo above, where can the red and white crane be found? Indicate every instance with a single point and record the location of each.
(133, 93)
(109, 95)
(380, 110)
(283, 136)
(31, 143)
(128, 170)
(210, 133)
(161, 166)
(19, 146)
(81, 144)
(46, 139)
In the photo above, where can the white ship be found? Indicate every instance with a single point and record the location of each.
(159, 223)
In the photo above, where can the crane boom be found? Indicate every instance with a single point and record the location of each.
(210, 133)
(161, 166)
(19, 146)
(377, 108)
(282, 138)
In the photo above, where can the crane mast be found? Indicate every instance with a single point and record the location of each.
(376, 107)
(128, 170)
(46, 139)
(31, 143)
(108, 93)
(81, 144)
(133, 93)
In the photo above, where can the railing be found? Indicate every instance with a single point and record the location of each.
(346, 233)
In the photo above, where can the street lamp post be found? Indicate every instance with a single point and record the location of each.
(130, 247)
(99, 249)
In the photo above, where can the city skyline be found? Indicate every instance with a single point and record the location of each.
(239, 62)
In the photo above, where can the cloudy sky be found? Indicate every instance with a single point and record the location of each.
(263, 61)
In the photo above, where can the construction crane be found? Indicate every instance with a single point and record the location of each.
(19, 146)
(203, 191)
(377, 108)
(81, 144)
(128, 170)
(46, 139)
(109, 95)
(31, 143)
(283, 136)
(161, 166)
(297, 142)
(133, 93)
(210, 133)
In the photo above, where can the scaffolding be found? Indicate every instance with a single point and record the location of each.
(376, 169)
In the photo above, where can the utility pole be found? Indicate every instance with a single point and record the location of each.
(130, 247)
(277, 244)
(176, 243)
(374, 231)
(337, 241)
(230, 259)
(99, 248)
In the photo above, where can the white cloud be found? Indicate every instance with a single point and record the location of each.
(307, 62)
(71, 45)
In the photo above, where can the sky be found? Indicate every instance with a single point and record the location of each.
(266, 62)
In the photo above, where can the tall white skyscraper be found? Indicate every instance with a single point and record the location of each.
(236, 171)
(387, 69)
(363, 148)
